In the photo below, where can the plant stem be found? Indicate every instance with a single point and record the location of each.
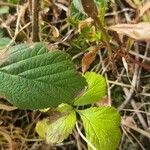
(84, 138)
(35, 20)
(91, 10)
(105, 35)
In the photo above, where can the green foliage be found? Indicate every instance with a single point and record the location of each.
(78, 44)
(13, 1)
(102, 7)
(101, 124)
(88, 33)
(78, 5)
(3, 42)
(41, 127)
(76, 14)
(34, 78)
(57, 129)
(101, 127)
(117, 95)
(4, 10)
(77, 10)
(1, 33)
(96, 89)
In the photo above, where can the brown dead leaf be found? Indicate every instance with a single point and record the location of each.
(128, 121)
(144, 8)
(84, 23)
(140, 31)
(87, 59)
(55, 31)
(104, 102)
(7, 137)
(90, 8)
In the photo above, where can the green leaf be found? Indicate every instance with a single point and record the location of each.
(4, 42)
(75, 16)
(96, 89)
(1, 33)
(36, 78)
(41, 127)
(102, 127)
(77, 12)
(13, 1)
(78, 5)
(4, 10)
(57, 129)
(102, 6)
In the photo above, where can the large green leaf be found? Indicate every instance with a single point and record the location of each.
(58, 128)
(34, 78)
(96, 89)
(101, 127)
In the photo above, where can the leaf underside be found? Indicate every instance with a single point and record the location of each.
(34, 78)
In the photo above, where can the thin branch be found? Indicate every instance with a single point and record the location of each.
(35, 20)
(84, 138)
(147, 134)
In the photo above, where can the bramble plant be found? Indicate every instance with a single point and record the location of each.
(37, 78)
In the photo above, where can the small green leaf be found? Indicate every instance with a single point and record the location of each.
(4, 10)
(77, 13)
(78, 5)
(102, 127)
(1, 33)
(36, 78)
(13, 1)
(59, 128)
(4, 42)
(96, 89)
(41, 127)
